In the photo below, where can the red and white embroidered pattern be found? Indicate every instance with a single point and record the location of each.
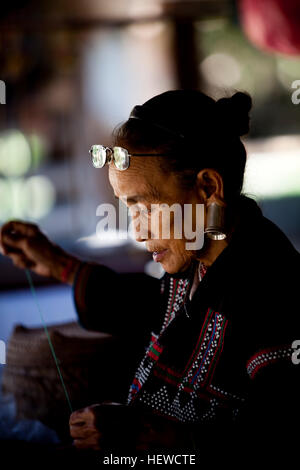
(199, 369)
(142, 373)
(268, 356)
(203, 269)
(177, 291)
(190, 403)
(198, 372)
(209, 346)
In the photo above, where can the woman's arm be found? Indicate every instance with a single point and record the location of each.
(273, 401)
(116, 303)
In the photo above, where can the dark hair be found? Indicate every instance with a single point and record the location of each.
(214, 126)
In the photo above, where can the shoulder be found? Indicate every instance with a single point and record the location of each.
(276, 243)
(266, 286)
(268, 260)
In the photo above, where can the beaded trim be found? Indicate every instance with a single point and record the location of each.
(208, 349)
(225, 394)
(177, 291)
(152, 354)
(202, 269)
(267, 356)
(162, 286)
(200, 366)
(199, 369)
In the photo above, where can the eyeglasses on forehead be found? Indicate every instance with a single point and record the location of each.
(102, 155)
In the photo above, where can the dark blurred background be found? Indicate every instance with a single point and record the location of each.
(73, 70)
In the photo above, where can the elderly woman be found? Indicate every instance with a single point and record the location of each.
(219, 330)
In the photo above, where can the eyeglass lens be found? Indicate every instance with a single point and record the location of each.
(121, 158)
(98, 153)
(101, 155)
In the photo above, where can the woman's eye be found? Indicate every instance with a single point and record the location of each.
(145, 212)
(137, 210)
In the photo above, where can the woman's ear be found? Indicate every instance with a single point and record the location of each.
(210, 186)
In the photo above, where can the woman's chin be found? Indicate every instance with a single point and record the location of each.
(172, 266)
(168, 266)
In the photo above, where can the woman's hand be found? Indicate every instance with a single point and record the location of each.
(106, 425)
(28, 247)
(84, 428)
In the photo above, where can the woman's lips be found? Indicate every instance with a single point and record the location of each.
(158, 255)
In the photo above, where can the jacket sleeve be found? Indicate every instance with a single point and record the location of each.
(116, 303)
(272, 409)
(274, 390)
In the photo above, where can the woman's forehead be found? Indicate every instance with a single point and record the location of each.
(133, 186)
(139, 178)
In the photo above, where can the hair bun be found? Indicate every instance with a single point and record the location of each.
(234, 113)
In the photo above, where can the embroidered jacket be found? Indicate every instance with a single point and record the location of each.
(228, 354)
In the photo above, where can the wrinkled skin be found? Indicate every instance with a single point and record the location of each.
(143, 184)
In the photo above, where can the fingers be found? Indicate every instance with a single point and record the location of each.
(90, 443)
(22, 227)
(14, 233)
(21, 261)
(83, 429)
(82, 416)
(83, 432)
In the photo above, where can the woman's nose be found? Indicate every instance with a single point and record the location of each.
(140, 234)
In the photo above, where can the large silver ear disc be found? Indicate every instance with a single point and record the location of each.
(215, 222)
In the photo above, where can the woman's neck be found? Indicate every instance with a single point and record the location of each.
(211, 250)
(209, 255)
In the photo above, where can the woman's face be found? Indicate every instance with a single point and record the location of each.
(142, 184)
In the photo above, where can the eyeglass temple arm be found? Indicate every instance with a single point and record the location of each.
(147, 154)
(138, 154)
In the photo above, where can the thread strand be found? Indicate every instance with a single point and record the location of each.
(29, 278)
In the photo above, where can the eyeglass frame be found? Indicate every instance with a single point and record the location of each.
(144, 113)
(109, 158)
